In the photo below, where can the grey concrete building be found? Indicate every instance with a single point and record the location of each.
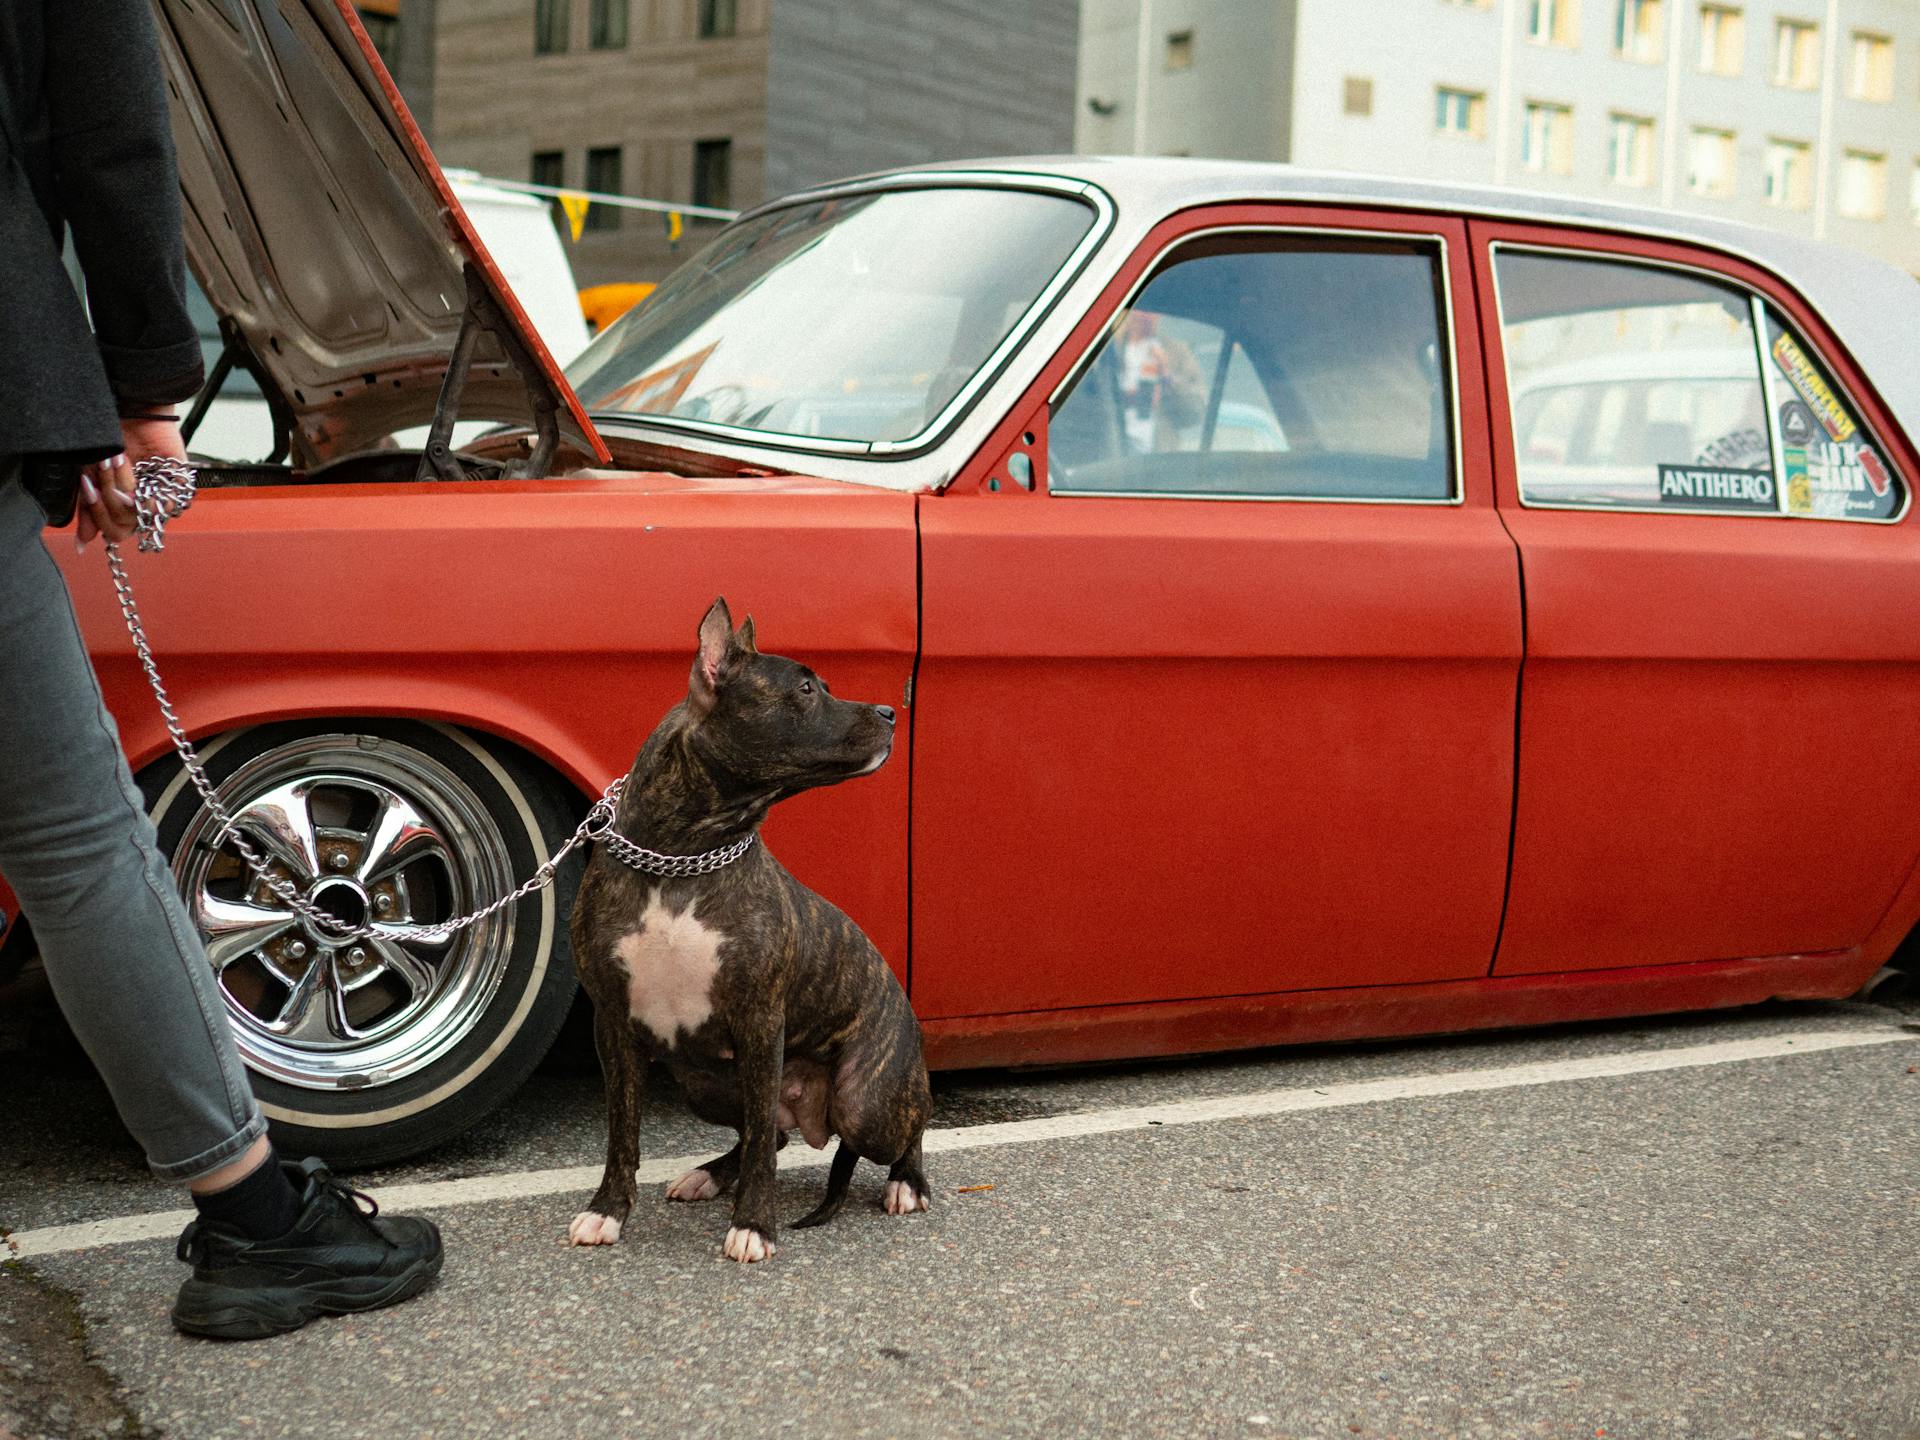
(1799, 114)
(725, 102)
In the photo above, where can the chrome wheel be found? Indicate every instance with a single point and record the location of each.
(363, 827)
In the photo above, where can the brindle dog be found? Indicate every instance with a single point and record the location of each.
(769, 1006)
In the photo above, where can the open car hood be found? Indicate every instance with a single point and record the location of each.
(347, 275)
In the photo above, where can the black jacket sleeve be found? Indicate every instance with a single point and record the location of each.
(119, 189)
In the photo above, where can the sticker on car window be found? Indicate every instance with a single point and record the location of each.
(1704, 487)
(1796, 424)
(1838, 482)
(1805, 377)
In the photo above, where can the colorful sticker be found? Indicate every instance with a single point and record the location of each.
(1877, 476)
(1799, 487)
(1806, 378)
(1796, 424)
(1705, 487)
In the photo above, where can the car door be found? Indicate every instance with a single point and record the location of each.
(1722, 595)
(1220, 638)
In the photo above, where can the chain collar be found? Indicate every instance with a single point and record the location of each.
(654, 862)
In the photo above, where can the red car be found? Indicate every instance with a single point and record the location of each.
(1321, 607)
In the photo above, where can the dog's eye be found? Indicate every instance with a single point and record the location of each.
(806, 687)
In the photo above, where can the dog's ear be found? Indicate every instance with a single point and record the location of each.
(710, 665)
(743, 637)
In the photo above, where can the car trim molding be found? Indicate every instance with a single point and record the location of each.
(1457, 479)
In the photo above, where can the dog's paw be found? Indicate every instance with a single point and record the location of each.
(590, 1227)
(747, 1245)
(694, 1185)
(902, 1197)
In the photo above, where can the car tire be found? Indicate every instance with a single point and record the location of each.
(369, 1052)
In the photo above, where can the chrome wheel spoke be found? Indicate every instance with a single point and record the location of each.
(233, 928)
(398, 836)
(411, 970)
(305, 1014)
(282, 821)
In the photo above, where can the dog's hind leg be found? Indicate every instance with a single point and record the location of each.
(839, 1176)
(907, 1190)
(625, 1071)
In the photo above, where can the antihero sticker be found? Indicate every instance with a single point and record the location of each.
(1705, 487)
(1805, 377)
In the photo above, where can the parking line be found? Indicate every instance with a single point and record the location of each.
(528, 1184)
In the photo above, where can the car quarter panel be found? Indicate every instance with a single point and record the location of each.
(559, 615)
(1711, 761)
(1170, 748)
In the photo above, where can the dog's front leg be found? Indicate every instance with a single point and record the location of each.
(624, 1069)
(762, 1057)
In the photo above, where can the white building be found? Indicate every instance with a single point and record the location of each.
(1800, 114)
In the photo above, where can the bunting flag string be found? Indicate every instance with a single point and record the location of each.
(576, 207)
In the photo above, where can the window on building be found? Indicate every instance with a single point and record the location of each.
(1870, 67)
(549, 167)
(1269, 366)
(1646, 389)
(381, 20)
(607, 24)
(551, 21)
(713, 173)
(1723, 39)
(1710, 157)
(1630, 149)
(718, 18)
(1637, 28)
(1789, 174)
(1460, 112)
(1553, 22)
(1358, 96)
(1546, 138)
(603, 177)
(1796, 54)
(1180, 50)
(1863, 185)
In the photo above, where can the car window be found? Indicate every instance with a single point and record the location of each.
(1641, 387)
(1270, 366)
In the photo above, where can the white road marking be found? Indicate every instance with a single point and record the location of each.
(528, 1184)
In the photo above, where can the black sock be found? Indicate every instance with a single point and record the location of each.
(261, 1206)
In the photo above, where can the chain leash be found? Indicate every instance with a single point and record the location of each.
(163, 488)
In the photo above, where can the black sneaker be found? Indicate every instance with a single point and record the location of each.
(337, 1258)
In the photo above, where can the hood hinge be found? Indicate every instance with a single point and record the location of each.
(439, 461)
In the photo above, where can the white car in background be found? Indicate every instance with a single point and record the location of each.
(519, 234)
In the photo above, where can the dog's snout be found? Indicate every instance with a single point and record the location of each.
(886, 713)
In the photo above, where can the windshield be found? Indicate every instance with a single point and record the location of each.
(858, 317)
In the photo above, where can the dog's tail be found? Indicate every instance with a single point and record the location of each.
(839, 1175)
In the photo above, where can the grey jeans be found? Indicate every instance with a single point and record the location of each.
(78, 850)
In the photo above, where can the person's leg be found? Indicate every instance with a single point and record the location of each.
(79, 851)
(274, 1246)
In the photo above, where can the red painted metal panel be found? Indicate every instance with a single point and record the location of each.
(1708, 766)
(1179, 748)
(559, 614)
(1238, 1022)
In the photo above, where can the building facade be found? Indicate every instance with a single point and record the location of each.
(1803, 115)
(724, 102)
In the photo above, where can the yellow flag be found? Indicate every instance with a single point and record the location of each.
(576, 208)
(674, 225)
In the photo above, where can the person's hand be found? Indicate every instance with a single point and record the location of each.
(106, 487)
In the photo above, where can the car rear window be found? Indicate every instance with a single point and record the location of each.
(1642, 387)
(1270, 366)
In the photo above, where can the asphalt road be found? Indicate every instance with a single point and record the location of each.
(1698, 1227)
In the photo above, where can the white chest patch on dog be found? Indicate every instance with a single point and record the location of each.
(671, 961)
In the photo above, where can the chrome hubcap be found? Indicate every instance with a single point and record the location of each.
(365, 829)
